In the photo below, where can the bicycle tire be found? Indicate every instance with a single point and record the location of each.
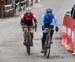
(46, 42)
(47, 50)
(28, 43)
(28, 50)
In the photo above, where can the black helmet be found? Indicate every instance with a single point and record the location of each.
(48, 10)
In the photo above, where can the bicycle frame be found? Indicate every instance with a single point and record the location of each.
(47, 43)
(28, 34)
(28, 39)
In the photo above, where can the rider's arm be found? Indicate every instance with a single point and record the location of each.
(22, 22)
(42, 21)
(55, 20)
(55, 23)
(35, 20)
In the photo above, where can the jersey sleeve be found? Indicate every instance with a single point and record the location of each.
(43, 18)
(55, 20)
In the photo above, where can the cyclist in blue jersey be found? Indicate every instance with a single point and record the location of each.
(48, 19)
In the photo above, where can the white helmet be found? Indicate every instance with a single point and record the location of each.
(28, 10)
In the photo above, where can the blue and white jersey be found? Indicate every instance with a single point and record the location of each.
(52, 20)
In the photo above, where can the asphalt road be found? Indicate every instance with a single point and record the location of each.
(11, 47)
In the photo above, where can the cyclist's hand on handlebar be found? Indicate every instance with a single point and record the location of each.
(57, 29)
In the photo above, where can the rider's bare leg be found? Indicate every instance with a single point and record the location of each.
(24, 33)
(32, 35)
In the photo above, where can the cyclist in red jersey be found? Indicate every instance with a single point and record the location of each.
(28, 19)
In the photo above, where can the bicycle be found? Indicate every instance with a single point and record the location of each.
(28, 39)
(47, 45)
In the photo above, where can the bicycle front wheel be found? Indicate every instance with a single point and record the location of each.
(48, 51)
(47, 47)
(28, 38)
(28, 50)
